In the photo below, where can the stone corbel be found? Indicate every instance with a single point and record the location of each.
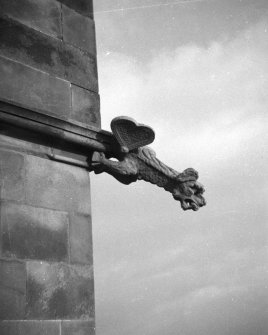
(135, 161)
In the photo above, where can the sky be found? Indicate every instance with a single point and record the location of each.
(197, 73)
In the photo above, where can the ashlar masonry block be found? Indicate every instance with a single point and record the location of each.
(85, 106)
(12, 175)
(33, 233)
(78, 30)
(56, 185)
(12, 290)
(60, 291)
(80, 239)
(34, 89)
(42, 15)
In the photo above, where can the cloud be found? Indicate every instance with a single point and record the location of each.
(204, 103)
(161, 271)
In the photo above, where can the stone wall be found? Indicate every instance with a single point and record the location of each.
(49, 78)
(48, 58)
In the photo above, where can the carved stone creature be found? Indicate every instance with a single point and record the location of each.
(142, 164)
(136, 162)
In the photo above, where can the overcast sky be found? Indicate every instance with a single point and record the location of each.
(197, 72)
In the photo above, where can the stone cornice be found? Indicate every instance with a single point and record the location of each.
(60, 133)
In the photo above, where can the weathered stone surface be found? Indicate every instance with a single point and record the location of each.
(85, 106)
(131, 134)
(12, 290)
(78, 30)
(77, 328)
(30, 328)
(59, 291)
(43, 15)
(34, 89)
(34, 233)
(12, 173)
(142, 164)
(56, 185)
(9, 142)
(81, 239)
(84, 7)
(48, 54)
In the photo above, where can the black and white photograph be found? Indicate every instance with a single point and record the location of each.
(133, 167)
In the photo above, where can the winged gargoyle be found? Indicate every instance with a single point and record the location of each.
(138, 162)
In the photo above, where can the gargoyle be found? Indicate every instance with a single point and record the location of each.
(137, 162)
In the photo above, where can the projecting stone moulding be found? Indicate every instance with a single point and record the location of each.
(136, 161)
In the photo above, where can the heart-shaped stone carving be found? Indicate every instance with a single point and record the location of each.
(130, 134)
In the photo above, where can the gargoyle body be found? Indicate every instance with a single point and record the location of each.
(142, 164)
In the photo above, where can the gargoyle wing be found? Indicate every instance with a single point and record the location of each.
(131, 134)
